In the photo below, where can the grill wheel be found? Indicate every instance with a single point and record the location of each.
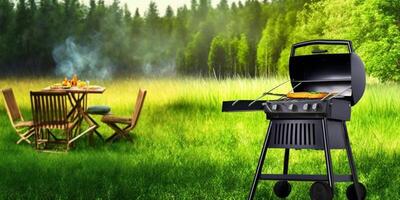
(351, 191)
(321, 191)
(282, 189)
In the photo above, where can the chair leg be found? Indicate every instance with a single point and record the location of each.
(90, 135)
(78, 127)
(95, 130)
(128, 137)
(25, 137)
(81, 134)
(118, 133)
(69, 136)
(113, 137)
(126, 131)
(99, 135)
(37, 137)
(52, 135)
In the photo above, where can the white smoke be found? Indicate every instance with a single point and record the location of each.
(167, 68)
(86, 60)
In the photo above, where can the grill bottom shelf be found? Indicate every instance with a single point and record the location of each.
(305, 177)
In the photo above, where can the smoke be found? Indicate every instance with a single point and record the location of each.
(157, 55)
(165, 68)
(151, 56)
(157, 62)
(84, 60)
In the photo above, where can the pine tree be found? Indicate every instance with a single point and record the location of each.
(168, 21)
(251, 38)
(22, 22)
(243, 56)
(137, 24)
(223, 6)
(218, 57)
(127, 15)
(6, 33)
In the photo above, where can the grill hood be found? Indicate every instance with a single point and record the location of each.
(322, 71)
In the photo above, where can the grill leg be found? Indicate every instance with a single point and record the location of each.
(260, 165)
(286, 162)
(327, 152)
(351, 160)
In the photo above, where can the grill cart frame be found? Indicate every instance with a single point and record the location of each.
(312, 124)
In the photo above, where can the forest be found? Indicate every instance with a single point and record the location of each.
(247, 39)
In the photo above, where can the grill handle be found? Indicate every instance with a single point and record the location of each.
(316, 42)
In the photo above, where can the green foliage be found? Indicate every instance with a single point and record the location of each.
(249, 38)
(6, 33)
(243, 56)
(275, 37)
(218, 56)
(229, 56)
(375, 34)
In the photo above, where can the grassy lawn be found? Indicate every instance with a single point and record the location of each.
(186, 148)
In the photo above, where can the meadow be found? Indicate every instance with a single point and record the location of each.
(186, 148)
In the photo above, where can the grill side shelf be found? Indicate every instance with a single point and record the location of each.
(242, 106)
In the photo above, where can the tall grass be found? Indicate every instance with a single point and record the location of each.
(185, 148)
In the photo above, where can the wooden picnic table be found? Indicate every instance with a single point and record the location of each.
(78, 99)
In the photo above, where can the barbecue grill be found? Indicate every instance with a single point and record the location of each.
(318, 124)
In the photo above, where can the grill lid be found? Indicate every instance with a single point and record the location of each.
(323, 71)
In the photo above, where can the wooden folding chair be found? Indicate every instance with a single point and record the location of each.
(129, 123)
(24, 129)
(49, 110)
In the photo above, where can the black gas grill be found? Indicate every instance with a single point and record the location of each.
(318, 124)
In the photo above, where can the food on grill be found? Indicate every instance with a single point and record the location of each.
(307, 95)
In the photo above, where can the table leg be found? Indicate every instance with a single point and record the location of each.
(95, 130)
(74, 114)
(91, 124)
(74, 103)
(78, 113)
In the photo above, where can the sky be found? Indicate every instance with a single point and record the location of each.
(162, 4)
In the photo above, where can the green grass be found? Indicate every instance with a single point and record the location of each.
(186, 148)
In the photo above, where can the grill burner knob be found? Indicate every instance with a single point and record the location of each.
(315, 106)
(274, 107)
(291, 107)
(306, 106)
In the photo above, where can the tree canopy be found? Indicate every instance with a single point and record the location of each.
(248, 38)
